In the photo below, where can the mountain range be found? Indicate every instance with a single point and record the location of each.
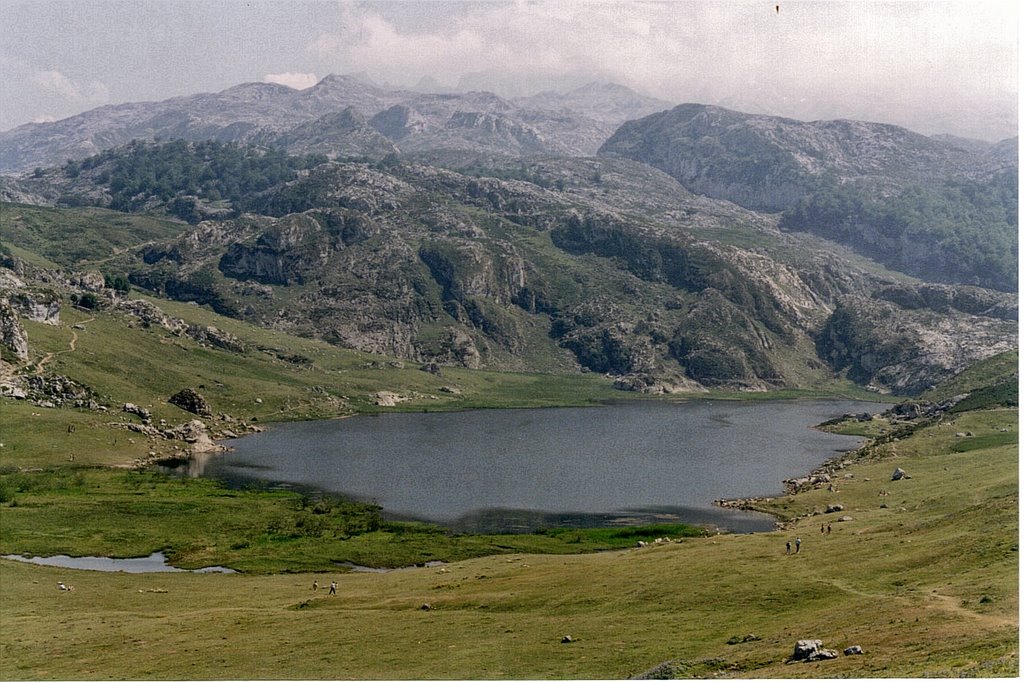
(672, 248)
(574, 123)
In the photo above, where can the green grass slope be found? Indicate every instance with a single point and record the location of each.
(82, 236)
(922, 576)
(278, 378)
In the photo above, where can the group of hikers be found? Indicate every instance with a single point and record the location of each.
(826, 529)
(333, 590)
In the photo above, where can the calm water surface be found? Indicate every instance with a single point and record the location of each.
(154, 563)
(516, 470)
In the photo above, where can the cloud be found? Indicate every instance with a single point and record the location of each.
(77, 93)
(811, 59)
(298, 81)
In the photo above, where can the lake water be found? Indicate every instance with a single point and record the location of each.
(517, 470)
(154, 563)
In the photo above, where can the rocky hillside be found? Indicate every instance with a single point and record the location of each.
(768, 163)
(340, 116)
(554, 264)
(938, 208)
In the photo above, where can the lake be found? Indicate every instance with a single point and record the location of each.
(154, 563)
(518, 470)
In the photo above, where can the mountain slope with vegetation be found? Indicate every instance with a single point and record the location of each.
(929, 207)
(553, 265)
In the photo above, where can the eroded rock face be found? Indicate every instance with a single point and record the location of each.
(37, 306)
(907, 350)
(12, 333)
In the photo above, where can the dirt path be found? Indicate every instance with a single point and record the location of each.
(955, 605)
(942, 602)
(72, 347)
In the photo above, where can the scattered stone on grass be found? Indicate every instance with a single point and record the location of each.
(899, 474)
(853, 651)
(132, 408)
(742, 639)
(809, 650)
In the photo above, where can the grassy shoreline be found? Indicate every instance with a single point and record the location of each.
(924, 578)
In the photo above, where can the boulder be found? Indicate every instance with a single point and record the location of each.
(899, 474)
(132, 408)
(89, 281)
(387, 398)
(832, 508)
(210, 335)
(194, 433)
(853, 651)
(191, 401)
(808, 650)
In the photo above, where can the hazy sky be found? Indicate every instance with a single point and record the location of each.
(934, 66)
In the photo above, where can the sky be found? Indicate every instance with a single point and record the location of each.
(934, 66)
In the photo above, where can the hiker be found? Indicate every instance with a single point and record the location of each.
(334, 588)
(788, 547)
(798, 545)
(829, 531)
(315, 586)
(823, 528)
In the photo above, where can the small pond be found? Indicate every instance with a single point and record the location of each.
(518, 470)
(154, 563)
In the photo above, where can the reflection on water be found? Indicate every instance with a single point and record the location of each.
(154, 563)
(527, 521)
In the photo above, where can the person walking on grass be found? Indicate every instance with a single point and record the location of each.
(789, 547)
(315, 586)
(334, 588)
(798, 545)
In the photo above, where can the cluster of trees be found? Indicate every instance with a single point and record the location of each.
(213, 171)
(960, 232)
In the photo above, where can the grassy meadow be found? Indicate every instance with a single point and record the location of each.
(924, 575)
(927, 585)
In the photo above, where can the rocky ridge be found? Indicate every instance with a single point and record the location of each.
(767, 163)
(340, 116)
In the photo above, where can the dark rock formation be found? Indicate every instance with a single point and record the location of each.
(12, 334)
(191, 401)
